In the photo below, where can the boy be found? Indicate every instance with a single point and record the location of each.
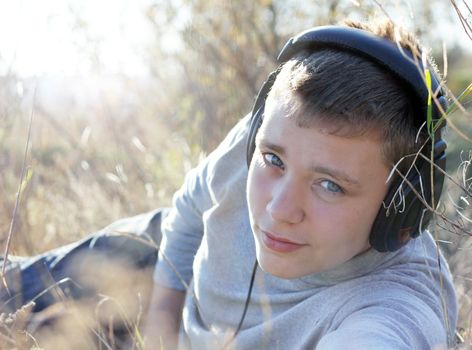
(333, 271)
(311, 247)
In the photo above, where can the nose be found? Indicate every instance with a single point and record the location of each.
(286, 204)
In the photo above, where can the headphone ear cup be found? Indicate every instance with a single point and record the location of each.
(400, 215)
(403, 214)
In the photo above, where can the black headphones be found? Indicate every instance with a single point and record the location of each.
(396, 222)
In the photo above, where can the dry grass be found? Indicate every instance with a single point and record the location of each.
(90, 177)
(87, 167)
(90, 167)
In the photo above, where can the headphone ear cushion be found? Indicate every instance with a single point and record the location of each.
(403, 214)
(400, 215)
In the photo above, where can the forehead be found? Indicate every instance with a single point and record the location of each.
(286, 130)
(289, 104)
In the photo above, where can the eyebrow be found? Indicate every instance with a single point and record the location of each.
(334, 173)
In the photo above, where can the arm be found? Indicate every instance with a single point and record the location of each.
(163, 318)
(182, 233)
(183, 228)
(394, 325)
(402, 307)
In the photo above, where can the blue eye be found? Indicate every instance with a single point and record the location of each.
(332, 187)
(272, 160)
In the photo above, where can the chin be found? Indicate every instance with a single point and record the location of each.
(278, 273)
(277, 269)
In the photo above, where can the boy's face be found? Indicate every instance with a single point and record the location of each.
(312, 196)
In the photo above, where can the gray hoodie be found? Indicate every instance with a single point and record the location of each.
(399, 300)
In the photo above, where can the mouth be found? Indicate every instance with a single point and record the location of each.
(279, 244)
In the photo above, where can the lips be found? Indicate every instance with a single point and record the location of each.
(279, 244)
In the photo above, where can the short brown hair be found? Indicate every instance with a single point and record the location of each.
(352, 95)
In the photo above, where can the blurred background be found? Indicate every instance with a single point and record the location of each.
(124, 97)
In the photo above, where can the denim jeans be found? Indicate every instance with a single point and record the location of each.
(57, 274)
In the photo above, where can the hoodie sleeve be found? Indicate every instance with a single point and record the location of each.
(184, 227)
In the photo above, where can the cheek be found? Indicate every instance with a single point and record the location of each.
(360, 218)
(342, 222)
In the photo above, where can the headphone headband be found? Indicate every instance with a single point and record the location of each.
(390, 56)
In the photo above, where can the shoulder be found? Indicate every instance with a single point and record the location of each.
(234, 144)
(224, 164)
(226, 167)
